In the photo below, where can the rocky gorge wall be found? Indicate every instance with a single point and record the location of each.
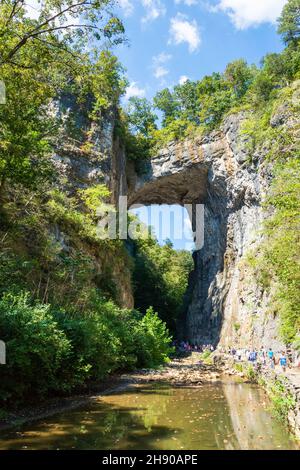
(87, 154)
(225, 305)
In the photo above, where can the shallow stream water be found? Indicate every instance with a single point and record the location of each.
(156, 416)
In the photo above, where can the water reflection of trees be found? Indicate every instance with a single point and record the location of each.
(231, 416)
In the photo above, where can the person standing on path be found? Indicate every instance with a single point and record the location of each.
(283, 361)
(271, 358)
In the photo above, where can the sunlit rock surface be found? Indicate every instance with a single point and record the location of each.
(224, 304)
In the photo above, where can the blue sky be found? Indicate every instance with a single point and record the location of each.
(171, 40)
(168, 222)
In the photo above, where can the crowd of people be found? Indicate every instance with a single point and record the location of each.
(262, 357)
(266, 357)
(185, 346)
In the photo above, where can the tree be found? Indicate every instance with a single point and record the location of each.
(215, 98)
(239, 75)
(289, 23)
(141, 117)
(261, 88)
(61, 26)
(166, 102)
(187, 98)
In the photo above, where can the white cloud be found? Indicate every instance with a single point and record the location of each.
(127, 7)
(159, 65)
(162, 58)
(134, 90)
(247, 13)
(160, 72)
(183, 79)
(189, 3)
(182, 30)
(154, 9)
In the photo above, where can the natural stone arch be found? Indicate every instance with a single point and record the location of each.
(184, 173)
(212, 170)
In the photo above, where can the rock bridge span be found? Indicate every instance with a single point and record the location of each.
(213, 171)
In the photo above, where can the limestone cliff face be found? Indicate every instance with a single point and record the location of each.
(88, 153)
(225, 304)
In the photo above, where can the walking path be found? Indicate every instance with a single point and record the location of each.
(179, 372)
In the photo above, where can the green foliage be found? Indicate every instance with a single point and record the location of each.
(54, 351)
(178, 129)
(166, 102)
(289, 22)
(250, 373)
(282, 248)
(38, 59)
(94, 197)
(105, 81)
(281, 398)
(49, 245)
(160, 278)
(206, 357)
(238, 367)
(278, 264)
(140, 116)
(154, 340)
(198, 107)
(240, 76)
(36, 348)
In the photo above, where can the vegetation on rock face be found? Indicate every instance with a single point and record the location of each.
(269, 97)
(62, 287)
(197, 107)
(278, 264)
(282, 399)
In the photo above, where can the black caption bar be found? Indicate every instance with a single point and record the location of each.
(137, 459)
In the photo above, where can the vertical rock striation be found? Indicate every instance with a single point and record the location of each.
(225, 304)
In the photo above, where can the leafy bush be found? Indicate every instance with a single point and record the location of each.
(282, 400)
(153, 341)
(36, 348)
(54, 351)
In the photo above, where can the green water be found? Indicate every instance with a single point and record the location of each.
(223, 416)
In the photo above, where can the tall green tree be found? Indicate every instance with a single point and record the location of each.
(187, 98)
(289, 22)
(141, 117)
(239, 75)
(166, 102)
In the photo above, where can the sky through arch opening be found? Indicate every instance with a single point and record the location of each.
(167, 223)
